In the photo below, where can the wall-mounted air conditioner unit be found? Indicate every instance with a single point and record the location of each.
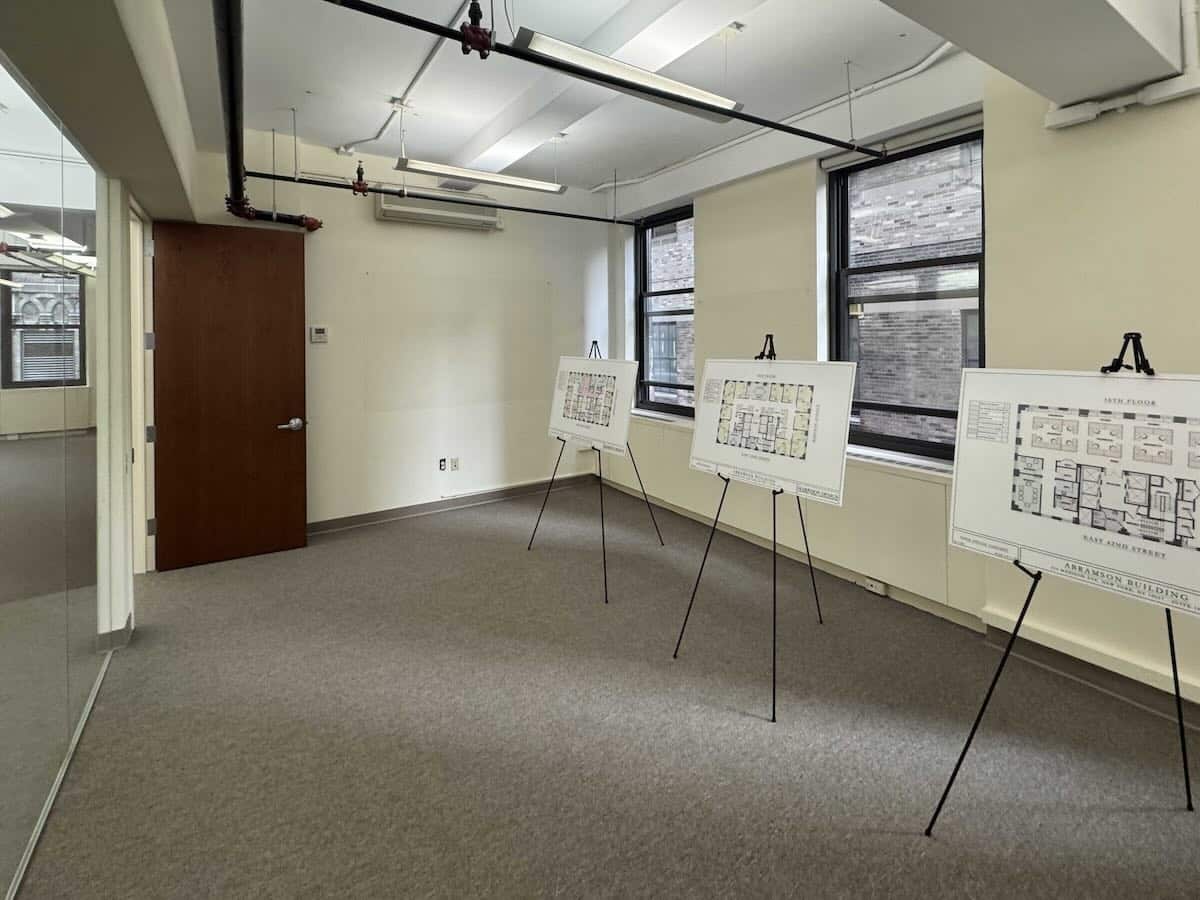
(421, 210)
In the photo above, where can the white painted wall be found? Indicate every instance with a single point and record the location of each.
(443, 342)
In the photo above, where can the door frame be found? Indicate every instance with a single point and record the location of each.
(141, 309)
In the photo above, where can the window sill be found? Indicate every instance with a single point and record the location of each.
(925, 467)
(682, 423)
(34, 388)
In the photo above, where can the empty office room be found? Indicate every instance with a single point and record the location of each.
(623, 448)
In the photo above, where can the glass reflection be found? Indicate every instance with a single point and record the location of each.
(48, 615)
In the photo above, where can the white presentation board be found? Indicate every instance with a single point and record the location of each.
(592, 401)
(1092, 477)
(777, 424)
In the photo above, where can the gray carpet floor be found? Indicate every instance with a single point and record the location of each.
(426, 709)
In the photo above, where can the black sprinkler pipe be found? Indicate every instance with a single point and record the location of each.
(227, 17)
(612, 81)
(420, 195)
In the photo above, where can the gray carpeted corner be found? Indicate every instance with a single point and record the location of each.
(426, 709)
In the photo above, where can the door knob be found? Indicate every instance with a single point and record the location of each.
(293, 424)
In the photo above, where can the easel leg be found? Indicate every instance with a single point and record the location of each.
(1187, 778)
(1012, 639)
(774, 595)
(603, 542)
(644, 497)
(812, 573)
(549, 487)
(707, 546)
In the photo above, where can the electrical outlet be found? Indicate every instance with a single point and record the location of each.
(442, 464)
(874, 585)
(454, 464)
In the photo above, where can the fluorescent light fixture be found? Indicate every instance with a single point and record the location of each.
(5, 212)
(11, 284)
(444, 171)
(552, 48)
(73, 263)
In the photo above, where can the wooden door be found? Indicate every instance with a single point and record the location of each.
(228, 371)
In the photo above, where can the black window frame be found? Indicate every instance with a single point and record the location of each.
(840, 272)
(641, 263)
(7, 326)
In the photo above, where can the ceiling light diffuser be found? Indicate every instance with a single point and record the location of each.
(553, 48)
(442, 170)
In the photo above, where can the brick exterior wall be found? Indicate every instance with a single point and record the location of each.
(672, 256)
(899, 212)
(671, 263)
(914, 358)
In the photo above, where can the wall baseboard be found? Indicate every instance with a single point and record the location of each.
(436, 506)
(1129, 690)
(115, 640)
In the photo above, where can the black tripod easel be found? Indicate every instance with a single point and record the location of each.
(1141, 365)
(594, 353)
(767, 352)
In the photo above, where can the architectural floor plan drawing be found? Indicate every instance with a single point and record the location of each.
(770, 417)
(1125, 473)
(1087, 476)
(776, 424)
(590, 398)
(592, 401)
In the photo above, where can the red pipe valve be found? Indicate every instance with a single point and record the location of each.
(360, 182)
(474, 35)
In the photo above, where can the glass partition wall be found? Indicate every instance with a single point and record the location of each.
(50, 652)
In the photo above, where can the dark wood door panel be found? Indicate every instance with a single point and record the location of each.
(228, 368)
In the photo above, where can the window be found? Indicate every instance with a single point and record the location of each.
(906, 290)
(42, 319)
(666, 266)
